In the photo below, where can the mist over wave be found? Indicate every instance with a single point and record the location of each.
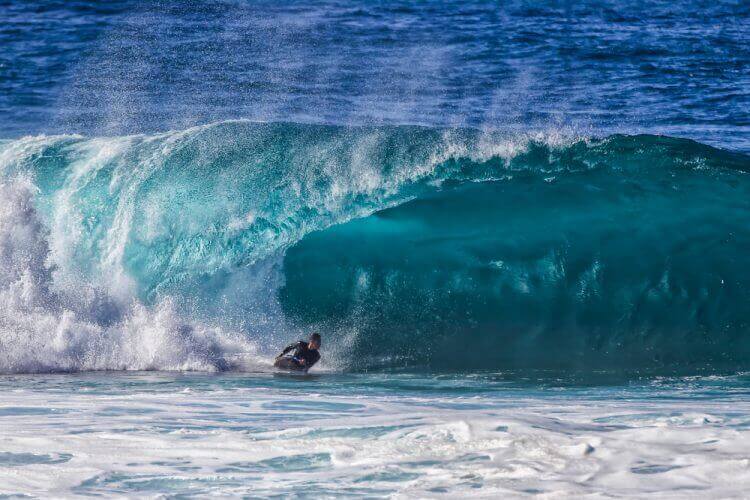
(407, 246)
(51, 324)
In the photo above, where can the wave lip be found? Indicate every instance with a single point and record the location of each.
(411, 246)
(48, 324)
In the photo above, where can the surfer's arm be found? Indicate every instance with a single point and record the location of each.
(286, 350)
(290, 347)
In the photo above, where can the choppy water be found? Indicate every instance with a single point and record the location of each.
(522, 230)
(667, 67)
(373, 435)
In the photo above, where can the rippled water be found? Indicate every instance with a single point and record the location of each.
(668, 67)
(440, 187)
(373, 435)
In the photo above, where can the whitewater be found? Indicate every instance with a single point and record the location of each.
(405, 436)
(207, 248)
(521, 228)
(608, 371)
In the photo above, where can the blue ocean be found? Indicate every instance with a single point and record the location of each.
(521, 228)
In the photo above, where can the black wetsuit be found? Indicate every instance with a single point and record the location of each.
(302, 351)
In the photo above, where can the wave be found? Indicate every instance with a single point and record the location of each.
(407, 246)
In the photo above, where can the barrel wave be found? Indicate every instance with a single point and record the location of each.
(408, 247)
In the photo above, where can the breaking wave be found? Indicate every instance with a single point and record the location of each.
(208, 248)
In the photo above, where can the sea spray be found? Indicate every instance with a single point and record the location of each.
(46, 327)
(408, 246)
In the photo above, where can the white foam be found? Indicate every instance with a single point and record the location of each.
(70, 300)
(232, 436)
(48, 327)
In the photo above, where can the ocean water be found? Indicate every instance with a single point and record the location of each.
(374, 435)
(522, 230)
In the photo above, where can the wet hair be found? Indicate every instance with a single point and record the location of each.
(315, 337)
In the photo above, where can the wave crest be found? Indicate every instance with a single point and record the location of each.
(175, 251)
(46, 326)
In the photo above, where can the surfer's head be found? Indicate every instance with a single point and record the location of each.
(314, 341)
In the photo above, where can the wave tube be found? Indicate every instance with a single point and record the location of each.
(406, 246)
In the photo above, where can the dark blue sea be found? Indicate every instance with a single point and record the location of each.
(522, 229)
(675, 68)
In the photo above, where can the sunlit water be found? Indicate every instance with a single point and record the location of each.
(372, 435)
(436, 187)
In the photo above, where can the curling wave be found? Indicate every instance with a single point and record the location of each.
(412, 246)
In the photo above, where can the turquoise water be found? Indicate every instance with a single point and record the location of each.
(522, 230)
(408, 247)
(502, 315)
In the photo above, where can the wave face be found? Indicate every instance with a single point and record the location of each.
(405, 246)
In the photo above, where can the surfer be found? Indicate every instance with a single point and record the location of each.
(304, 357)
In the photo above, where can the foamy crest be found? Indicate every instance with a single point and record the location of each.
(44, 328)
(169, 251)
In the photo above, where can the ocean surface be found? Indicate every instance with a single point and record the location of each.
(523, 230)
